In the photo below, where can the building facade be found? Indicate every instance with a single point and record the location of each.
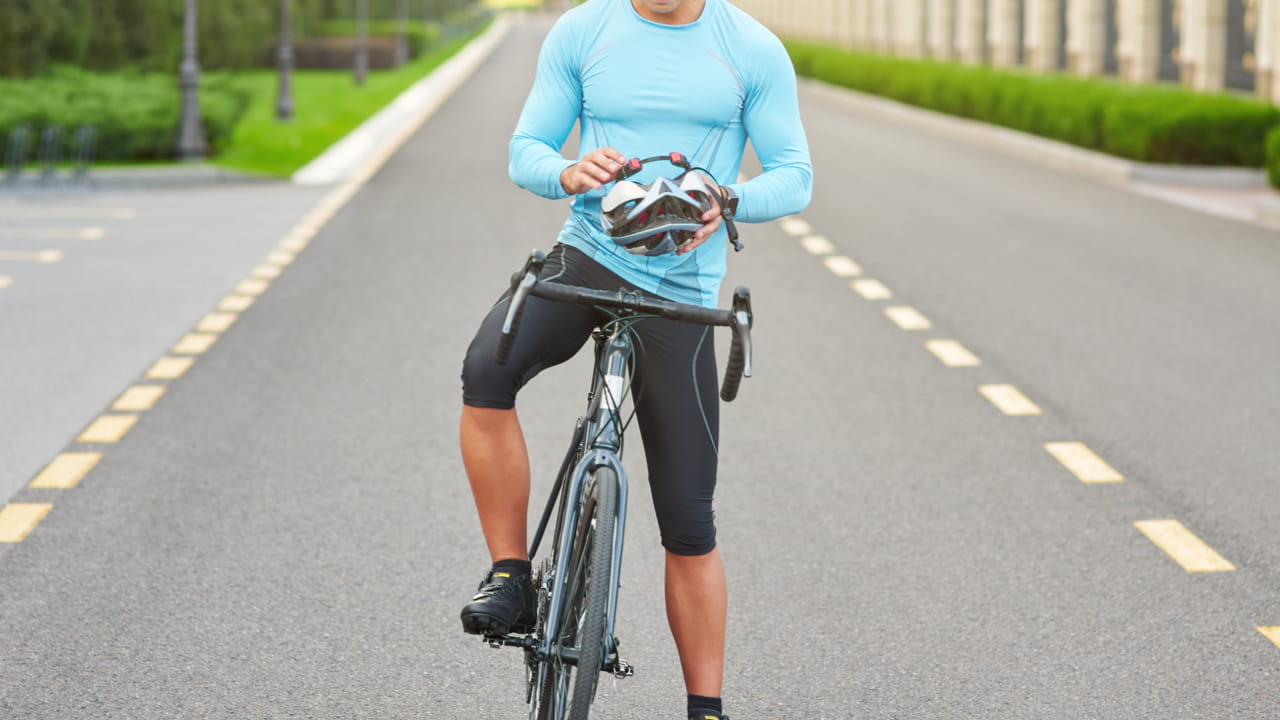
(1208, 45)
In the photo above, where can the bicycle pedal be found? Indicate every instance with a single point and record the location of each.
(623, 669)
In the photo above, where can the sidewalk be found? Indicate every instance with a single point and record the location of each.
(1237, 193)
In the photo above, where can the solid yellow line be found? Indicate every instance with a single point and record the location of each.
(66, 470)
(266, 272)
(194, 343)
(216, 322)
(907, 318)
(1083, 462)
(1009, 400)
(1271, 633)
(842, 266)
(871, 289)
(168, 368)
(1183, 546)
(817, 245)
(107, 429)
(18, 519)
(952, 353)
(236, 303)
(253, 286)
(138, 398)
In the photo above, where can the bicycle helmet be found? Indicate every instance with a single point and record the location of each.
(660, 217)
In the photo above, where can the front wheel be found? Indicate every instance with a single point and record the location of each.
(581, 626)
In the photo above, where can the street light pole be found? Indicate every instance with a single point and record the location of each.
(402, 23)
(191, 147)
(362, 40)
(284, 100)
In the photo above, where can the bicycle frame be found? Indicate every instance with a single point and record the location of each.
(599, 445)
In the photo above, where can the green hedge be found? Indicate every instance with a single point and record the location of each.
(1159, 124)
(1273, 157)
(136, 114)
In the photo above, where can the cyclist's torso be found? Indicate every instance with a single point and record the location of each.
(648, 89)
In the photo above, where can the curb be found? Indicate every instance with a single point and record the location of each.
(390, 126)
(1051, 153)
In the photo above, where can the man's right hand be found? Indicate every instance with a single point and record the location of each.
(591, 172)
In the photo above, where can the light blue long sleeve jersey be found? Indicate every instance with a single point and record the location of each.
(648, 89)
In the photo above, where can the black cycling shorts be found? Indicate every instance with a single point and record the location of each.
(674, 390)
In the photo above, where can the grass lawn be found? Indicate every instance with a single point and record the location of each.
(326, 106)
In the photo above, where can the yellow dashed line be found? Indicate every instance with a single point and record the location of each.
(871, 289)
(5, 281)
(169, 368)
(93, 233)
(1183, 546)
(253, 286)
(266, 272)
(1083, 462)
(19, 519)
(280, 258)
(842, 266)
(40, 256)
(107, 429)
(216, 322)
(795, 227)
(194, 343)
(66, 470)
(817, 245)
(138, 398)
(907, 318)
(952, 353)
(1272, 634)
(1009, 400)
(236, 303)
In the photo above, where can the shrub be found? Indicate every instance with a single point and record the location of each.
(1273, 157)
(1158, 124)
(135, 114)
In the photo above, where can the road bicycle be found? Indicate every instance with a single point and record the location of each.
(573, 641)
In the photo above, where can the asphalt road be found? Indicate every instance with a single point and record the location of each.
(288, 532)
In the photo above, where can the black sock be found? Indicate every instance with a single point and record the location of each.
(702, 704)
(516, 567)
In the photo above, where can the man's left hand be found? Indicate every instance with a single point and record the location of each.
(711, 222)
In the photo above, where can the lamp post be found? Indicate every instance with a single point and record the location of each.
(362, 40)
(191, 147)
(284, 58)
(402, 41)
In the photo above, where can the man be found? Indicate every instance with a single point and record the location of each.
(643, 78)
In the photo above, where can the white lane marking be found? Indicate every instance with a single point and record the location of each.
(5, 281)
(57, 212)
(1083, 462)
(795, 227)
(1009, 400)
(907, 318)
(1179, 543)
(40, 256)
(45, 233)
(952, 353)
(817, 245)
(842, 266)
(871, 289)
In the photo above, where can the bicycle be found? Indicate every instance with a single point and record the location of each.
(577, 585)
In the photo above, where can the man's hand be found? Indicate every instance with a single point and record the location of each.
(591, 172)
(710, 219)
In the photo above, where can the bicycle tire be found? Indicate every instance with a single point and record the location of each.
(598, 543)
(583, 609)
